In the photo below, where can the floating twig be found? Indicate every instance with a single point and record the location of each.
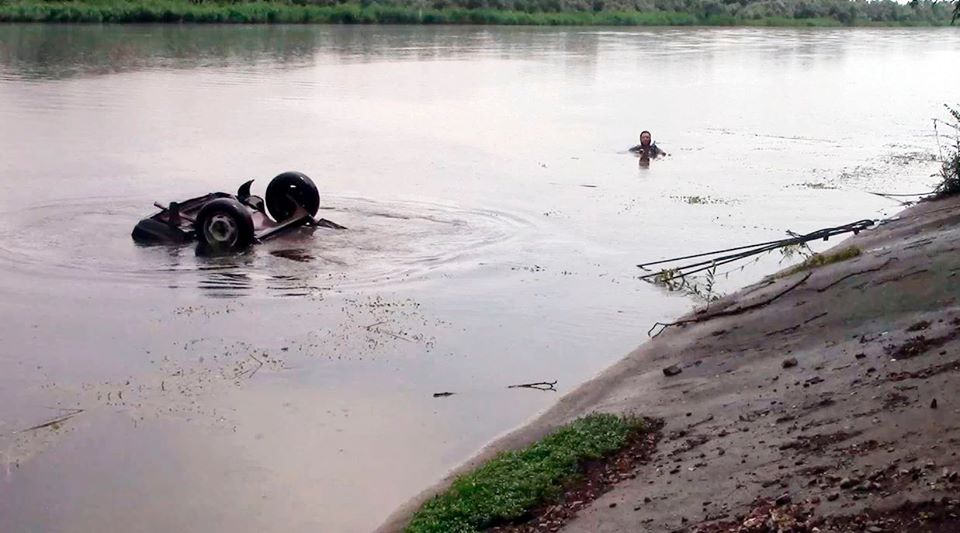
(443, 394)
(55, 421)
(252, 371)
(397, 336)
(258, 367)
(539, 385)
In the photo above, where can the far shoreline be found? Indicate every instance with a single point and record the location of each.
(267, 12)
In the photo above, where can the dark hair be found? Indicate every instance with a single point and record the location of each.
(647, 132)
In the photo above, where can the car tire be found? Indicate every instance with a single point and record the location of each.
(289, 189)
(150, 231)
(224, 224)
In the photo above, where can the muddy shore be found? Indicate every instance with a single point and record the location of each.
(837, 395)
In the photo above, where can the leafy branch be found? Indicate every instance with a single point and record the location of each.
(950, 164)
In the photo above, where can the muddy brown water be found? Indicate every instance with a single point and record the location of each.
(494, 224)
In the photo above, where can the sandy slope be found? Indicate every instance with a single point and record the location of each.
(876, 340)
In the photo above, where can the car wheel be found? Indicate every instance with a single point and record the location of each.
(224, 224)
(150, 231)
(288, 190)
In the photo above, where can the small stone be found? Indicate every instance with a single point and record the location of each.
(783, 499)
(847, 483)
(790, 363)
(646, 499)
(860, 355)
(672, 370)
(933, 403)
(833, 496)
(612, 505)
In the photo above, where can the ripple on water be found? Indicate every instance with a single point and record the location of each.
(387, 242)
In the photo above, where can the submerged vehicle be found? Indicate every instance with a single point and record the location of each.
(221, 221)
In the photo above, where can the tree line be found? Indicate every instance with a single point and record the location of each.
(847, 12)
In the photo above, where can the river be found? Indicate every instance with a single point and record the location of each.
(495, 221)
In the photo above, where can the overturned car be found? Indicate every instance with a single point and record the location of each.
(221, 221)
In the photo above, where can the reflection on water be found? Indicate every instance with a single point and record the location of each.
(224, 280)
(299, 255)
(53, 52)
(39, 51)
(494, 218)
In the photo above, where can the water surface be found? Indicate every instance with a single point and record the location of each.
(495, 221)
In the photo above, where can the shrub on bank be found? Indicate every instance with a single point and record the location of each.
(950, 167)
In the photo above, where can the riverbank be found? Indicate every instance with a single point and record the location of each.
(183, 11)
(829, 398)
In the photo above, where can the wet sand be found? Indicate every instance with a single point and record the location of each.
(866, 418)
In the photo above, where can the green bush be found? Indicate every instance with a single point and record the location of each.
(950, 167)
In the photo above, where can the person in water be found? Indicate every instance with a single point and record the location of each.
(647, 149)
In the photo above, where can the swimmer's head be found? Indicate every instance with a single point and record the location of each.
(645, 138)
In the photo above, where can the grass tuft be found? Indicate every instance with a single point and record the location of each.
(513, 483)
(819, 260)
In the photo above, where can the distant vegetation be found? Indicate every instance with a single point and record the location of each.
(507, 12)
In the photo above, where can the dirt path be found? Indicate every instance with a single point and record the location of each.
(838, 396)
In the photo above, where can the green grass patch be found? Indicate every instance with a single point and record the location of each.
(819, 260)
(513, 483)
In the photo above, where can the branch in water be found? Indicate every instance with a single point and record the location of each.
(539, 385)
(735, 311)
(55, 421)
